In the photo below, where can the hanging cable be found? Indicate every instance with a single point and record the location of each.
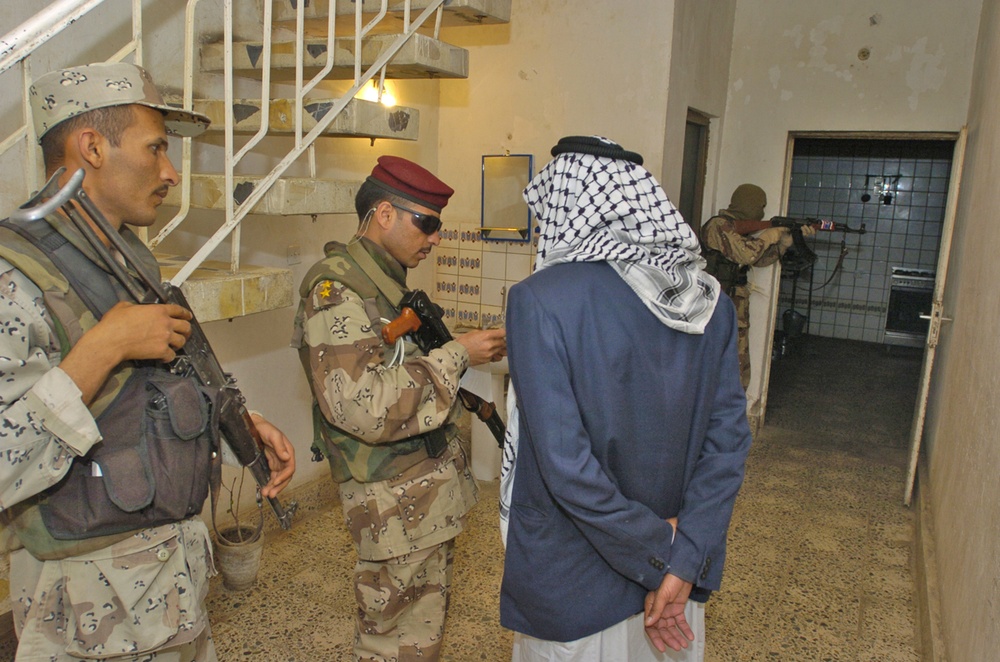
(399, 352)
(837, 267)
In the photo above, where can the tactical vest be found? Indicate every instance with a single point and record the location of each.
(728, 273)
(350, 457)
(153, 463)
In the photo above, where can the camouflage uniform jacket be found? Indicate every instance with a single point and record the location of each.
(78, 602)
(396, 497)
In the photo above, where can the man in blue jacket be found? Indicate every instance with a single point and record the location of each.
(630, 428)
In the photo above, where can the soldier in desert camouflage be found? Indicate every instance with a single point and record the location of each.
(386, 423)
(133, 590)
(730, 255)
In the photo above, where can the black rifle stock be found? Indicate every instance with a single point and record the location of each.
(196, 358)
(430, 332)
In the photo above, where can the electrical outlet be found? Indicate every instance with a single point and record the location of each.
(294, 254)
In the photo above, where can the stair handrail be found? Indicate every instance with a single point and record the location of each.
(17, 45)
(22, 41)
(233, 220)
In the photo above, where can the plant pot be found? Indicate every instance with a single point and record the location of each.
(239, 559)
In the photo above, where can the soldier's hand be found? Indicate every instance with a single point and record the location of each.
(148, 331)
(808, 230)
(776, 235)
(786, 240)
(485, 345)
(126, 332)
(280, 456)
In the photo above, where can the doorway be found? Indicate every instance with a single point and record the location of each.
(902, 187)
(896, 190)
(693, 168)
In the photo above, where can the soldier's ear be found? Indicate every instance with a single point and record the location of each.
(90, 145)
(384, 214)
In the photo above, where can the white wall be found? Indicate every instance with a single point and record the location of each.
(561, 67)
(963, 418)
(796, 67)
(699, 80)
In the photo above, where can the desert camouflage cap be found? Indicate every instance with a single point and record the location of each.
(59, 95)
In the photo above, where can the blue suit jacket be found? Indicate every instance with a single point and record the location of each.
(624, 422)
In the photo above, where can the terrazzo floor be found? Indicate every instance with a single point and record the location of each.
(819, 562)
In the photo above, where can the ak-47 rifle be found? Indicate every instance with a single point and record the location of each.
(800, 256)
(746, 226)
(195, 358)
(421, 318)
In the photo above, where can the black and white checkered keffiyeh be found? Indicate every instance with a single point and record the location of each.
(598, 209)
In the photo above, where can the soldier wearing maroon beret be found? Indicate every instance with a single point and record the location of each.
(385, 414)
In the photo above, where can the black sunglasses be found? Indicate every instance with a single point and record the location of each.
(426, 223)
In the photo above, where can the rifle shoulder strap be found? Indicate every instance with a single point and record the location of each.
(388, 287)
(92, 284)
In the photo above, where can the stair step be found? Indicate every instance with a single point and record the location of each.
(289, 196)
(456, 12)
(420, 57)
(216, 293)
(360, 118)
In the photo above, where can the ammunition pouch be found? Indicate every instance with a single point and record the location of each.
(151, 468)
(728, 273)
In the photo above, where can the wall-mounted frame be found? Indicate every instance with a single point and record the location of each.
(505, 214)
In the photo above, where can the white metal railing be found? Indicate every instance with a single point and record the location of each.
(17, 46)
(303, 143)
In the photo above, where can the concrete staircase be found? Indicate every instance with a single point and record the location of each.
(214, 290)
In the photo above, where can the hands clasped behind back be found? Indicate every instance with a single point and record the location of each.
(485, 345)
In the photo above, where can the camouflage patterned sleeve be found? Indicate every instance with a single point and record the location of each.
(355, 390)
(720, 234)
(45, 423)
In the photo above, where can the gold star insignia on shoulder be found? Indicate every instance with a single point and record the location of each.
(325, 287)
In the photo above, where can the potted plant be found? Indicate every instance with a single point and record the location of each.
(239, 545)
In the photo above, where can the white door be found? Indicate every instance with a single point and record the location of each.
(936, 315)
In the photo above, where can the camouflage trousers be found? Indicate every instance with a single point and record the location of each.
(137, 600)
(741, 298)
(402, 603)
(201, 649)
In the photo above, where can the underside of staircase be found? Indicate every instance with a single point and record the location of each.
(214, 289)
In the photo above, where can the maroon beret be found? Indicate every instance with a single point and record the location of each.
(408, 180)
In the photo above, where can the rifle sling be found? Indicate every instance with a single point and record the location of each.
(92, 284)
(435, 441)
(387, 286)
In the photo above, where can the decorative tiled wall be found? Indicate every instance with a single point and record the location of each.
(473, 275)
(897, 189)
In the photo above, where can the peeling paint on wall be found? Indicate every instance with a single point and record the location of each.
(795, 34)
(774, 75)
(818, 49)
(925, 72)
(818, 37)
